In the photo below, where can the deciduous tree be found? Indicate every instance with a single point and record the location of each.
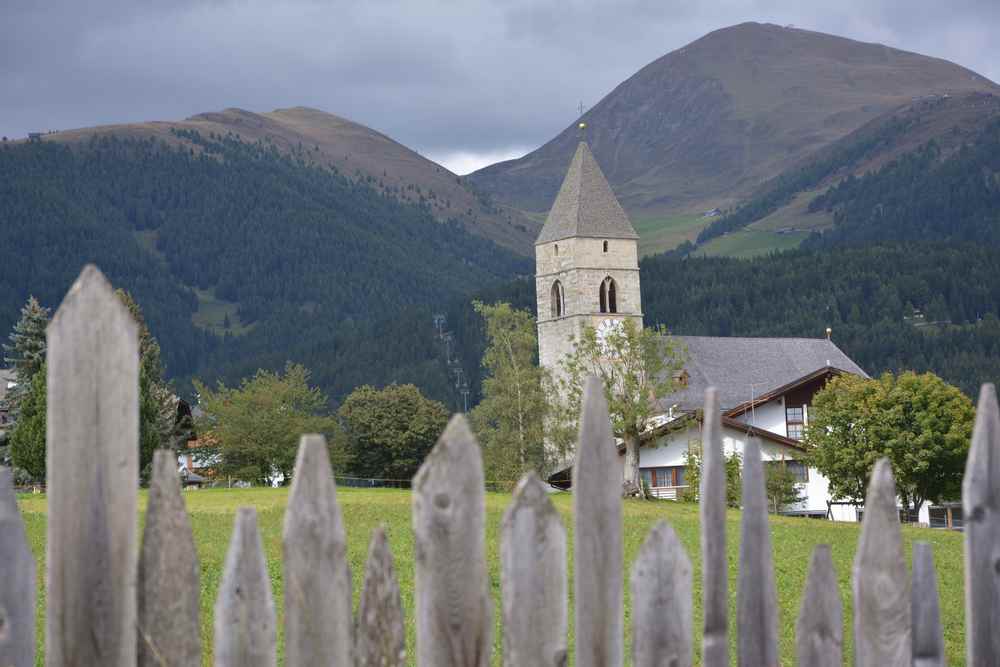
(389, 431)
(255, 428)
(27, 441)
(922, 424)
(637, 368)
(513, 421)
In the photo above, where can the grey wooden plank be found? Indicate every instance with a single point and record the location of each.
(92, 461)
(881, 585)
(597, 536)
(168, 589)
(928, 639)
(454, 609)
(381, 628)
(712, 509)
(317, 576)
(245, 627)
(533, 579)
(819, 631)
(661, 601)
(17, 582)
(981, 504)
(757, 599)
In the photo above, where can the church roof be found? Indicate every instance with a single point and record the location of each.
(585, 205)
(740, 368)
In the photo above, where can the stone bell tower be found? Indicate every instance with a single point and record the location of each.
(586, 262)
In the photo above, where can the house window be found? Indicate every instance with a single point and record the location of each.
(605, 246)
(609, 299)
(557, 299)
(794, 422)
(663, 476)
(798, 469)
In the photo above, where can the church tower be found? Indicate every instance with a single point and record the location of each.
(586, 262)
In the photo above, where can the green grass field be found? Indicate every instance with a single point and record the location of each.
(661, 234)
(751, 243)
(212, 312)
(793, 539)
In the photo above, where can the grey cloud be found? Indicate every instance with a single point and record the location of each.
(441, 76)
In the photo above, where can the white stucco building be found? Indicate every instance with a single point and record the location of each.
(587, 274)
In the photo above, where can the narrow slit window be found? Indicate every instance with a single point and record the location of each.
(605, 246)
(557, 299)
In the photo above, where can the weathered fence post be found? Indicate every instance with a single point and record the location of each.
(245, 628)
(819, 631)
(757, 599)
(454, 608)
(168, 590)
(881, 585)
(981, 504)
(533, 579)
(92, 436)
(928, 641)
(317, 577)
(661, 601)
(17, 582)
(381, 628)
(597, 536)
(715, 566)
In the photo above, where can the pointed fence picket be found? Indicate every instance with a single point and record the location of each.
(109, 603)
(168, 590)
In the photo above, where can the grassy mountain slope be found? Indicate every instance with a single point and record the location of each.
(905, 154)
(704, 126)
(358, 152)
(306, 264)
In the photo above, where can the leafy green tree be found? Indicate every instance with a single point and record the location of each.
(637, 369)
(782, 488)
(254, 429)
(389, 431)
(920, 423)
(27, 441)
(510, 420)
(692, 474)
(25, 353)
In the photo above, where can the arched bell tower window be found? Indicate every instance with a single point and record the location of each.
(557, 299)
(609, 300)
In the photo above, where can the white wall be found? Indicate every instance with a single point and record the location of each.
(770, 416)
(669, 450)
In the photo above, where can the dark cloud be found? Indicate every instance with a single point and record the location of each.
(444, 77)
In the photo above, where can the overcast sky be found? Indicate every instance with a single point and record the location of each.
(465, 83)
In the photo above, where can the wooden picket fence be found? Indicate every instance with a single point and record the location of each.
(112, 603)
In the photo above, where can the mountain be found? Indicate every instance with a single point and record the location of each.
(926, 170)
(356, 151)
(241, 255)
(706, 125)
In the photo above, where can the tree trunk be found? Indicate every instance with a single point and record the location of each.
(632, 480)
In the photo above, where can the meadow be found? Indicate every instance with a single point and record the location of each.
(212, 513)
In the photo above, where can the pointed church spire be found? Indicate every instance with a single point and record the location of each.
(585, 205)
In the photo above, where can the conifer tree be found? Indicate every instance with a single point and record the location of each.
(25, 353)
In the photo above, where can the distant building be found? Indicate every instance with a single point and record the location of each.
(34, 137)
(587, 274)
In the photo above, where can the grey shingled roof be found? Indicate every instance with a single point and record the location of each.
(732, 364)
(585, 205)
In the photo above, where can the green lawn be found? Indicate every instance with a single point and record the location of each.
(751, 243)
(212, 312)
(793, 539)
(666, 233)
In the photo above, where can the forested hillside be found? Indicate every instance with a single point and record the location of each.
(275, 258)
(921, 306)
